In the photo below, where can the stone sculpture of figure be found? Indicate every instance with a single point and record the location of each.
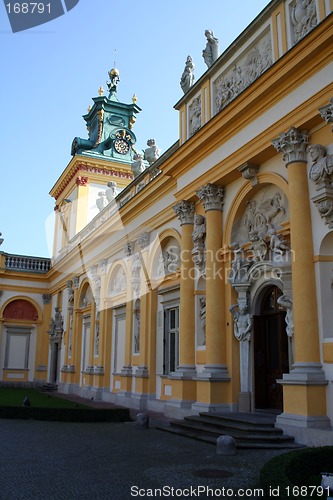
(322, 166)
(1, 239)
(138, 165)
(211, 51)
(111, 192)
(239, 263)
(152, 153)
(258, 246)
(285, 302)
(242, 321)
(195, 116)
(101, 202)
(199, 233)
(250, 213)
(187, 78)
(203, 317)
(277, 243)
(58, 319)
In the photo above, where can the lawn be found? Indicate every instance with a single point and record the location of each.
(14, 397)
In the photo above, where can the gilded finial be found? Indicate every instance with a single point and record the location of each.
(89, 109)
(134, 99)
(101, 91)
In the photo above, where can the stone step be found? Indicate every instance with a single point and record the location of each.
(272, 437)
(234, 425)
(49, 387)
(250, 430)
(240, 445)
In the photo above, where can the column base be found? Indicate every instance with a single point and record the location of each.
(185, 372)
(245, 401)
(126, 371)
(311, 431)
(214, 372)
(305, 373)
(213, 408)
(142, 371)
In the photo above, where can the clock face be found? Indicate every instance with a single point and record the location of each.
(121, 146)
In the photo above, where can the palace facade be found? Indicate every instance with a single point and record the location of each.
(200, 279)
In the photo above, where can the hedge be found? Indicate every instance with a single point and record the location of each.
(66, 414)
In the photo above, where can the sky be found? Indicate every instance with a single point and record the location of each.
(50, 73)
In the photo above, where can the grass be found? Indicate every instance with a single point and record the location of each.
(15, 396)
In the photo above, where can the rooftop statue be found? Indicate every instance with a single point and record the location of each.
(138, 165)
(211, 51)
(187, 78)
(111, 192)
(113, 82)
(152, 153)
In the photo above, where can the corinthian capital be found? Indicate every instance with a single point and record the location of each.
(211, 196)
(292, 144)
(185, 212)
(326, 112)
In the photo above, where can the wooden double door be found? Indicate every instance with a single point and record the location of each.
(271, 357)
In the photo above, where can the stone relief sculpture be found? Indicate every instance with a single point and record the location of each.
(199, 239)
(239, 264)
(322, 166)
(56, 323)
(258, 246)
(242, 321)
(203, 318)
(277, 243)
(152, 153)
(195, 116)
(263, 214)
(119, 282)
(135, 272)
(303, 18)
(211, 51)
(138, 165)
(136, 330)
(233, 81)
(168, 262)
(285, 302)
(187, 78)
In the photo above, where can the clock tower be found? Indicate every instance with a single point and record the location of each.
(109, 124)
(100, 166)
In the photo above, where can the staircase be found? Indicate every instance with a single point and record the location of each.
(250, 430)
(48, 387)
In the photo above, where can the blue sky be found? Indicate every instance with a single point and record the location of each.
(50, 73)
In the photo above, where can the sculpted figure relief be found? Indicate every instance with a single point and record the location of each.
(303, 18)
(285, 302)
(203, 317)
(322, 166)
(242, 322)
(258, 246)
(211, 51)
(277, 243)
(195, 115)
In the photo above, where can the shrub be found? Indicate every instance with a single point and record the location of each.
(297, 468)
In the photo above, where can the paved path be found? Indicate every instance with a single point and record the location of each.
(69, 461)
